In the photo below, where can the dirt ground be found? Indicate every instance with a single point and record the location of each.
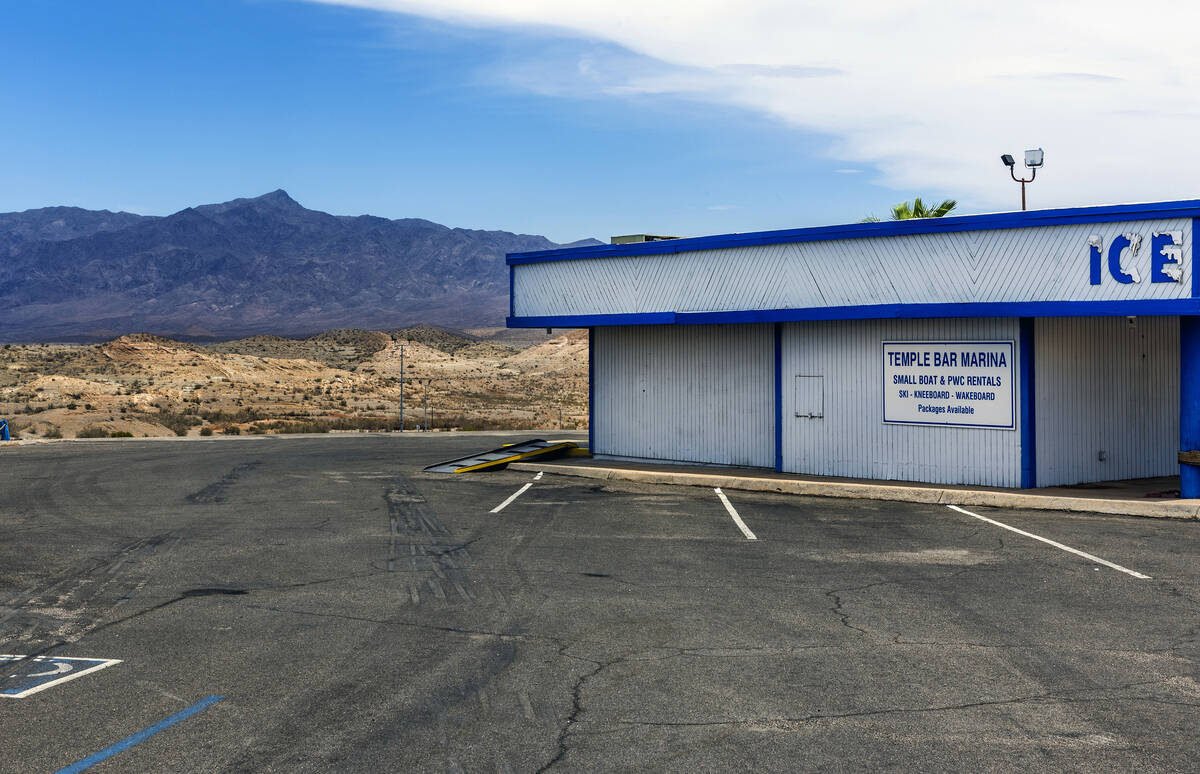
(342, 380)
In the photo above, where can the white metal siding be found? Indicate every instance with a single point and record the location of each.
(1101, 384)
(1049, 263)
(851, 439)
(687, 393)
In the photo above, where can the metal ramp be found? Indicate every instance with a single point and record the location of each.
(499, 458)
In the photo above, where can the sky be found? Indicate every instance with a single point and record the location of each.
(578, 119)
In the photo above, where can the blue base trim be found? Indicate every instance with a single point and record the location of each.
(1028, 421)
(140, 736)
(778, 397)
(1152, 211)
(1138, 308)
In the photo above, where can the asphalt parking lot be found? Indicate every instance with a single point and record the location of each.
(321, 605)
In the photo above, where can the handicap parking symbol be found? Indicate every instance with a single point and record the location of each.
(22, 676)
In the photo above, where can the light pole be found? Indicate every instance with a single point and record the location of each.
(1033, 162)
(428, 413)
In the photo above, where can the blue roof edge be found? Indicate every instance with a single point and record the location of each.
(1118, 308)
(1187, 208)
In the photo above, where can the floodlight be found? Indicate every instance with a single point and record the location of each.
(1033, 160)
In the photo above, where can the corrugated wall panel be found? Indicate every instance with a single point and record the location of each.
(1106, 385)
(1049, 263)
(851, 438)
(690, 393)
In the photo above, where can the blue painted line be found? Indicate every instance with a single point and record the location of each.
(140, 736)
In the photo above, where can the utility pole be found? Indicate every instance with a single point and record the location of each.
(427, 405)
(402, 388)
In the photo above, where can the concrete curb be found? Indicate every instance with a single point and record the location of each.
(1174, 509)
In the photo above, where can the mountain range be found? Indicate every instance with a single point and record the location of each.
(244, 267)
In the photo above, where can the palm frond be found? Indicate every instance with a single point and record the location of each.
(918, 209)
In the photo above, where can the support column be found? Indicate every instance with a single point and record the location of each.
(778, 397)
(1028, 421)
(592, 390)
(1189, 402)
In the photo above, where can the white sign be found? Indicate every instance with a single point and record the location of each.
(958, 383)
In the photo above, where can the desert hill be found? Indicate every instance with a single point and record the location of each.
(148, 385)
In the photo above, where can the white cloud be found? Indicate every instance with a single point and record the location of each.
(929, 93)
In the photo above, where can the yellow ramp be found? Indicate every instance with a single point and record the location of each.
(499, 458)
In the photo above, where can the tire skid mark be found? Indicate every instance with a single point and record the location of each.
(435, 561)
(218, 491)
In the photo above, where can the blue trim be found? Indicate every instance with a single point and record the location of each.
(1189, 208)
(1131, 308)
(1028, 420)
(140, 736)
(592, 390)
(591, 320)
(512, 291)
(778, 397)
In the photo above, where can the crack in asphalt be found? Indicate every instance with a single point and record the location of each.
(1054, 697)
(835, 595)
(576, 710)
(845, 617)
(63, 642)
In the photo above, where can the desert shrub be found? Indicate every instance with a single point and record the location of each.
(92, 431)
(120, 434)
(206, 431)
(176, 422)
(53, 432)
(239, 417)
(233, 430)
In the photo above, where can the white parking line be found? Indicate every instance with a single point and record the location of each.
(736, 519)
(511, 497)
(1068, 549)
(538, 477)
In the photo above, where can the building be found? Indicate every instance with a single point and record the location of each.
(1017, 349)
